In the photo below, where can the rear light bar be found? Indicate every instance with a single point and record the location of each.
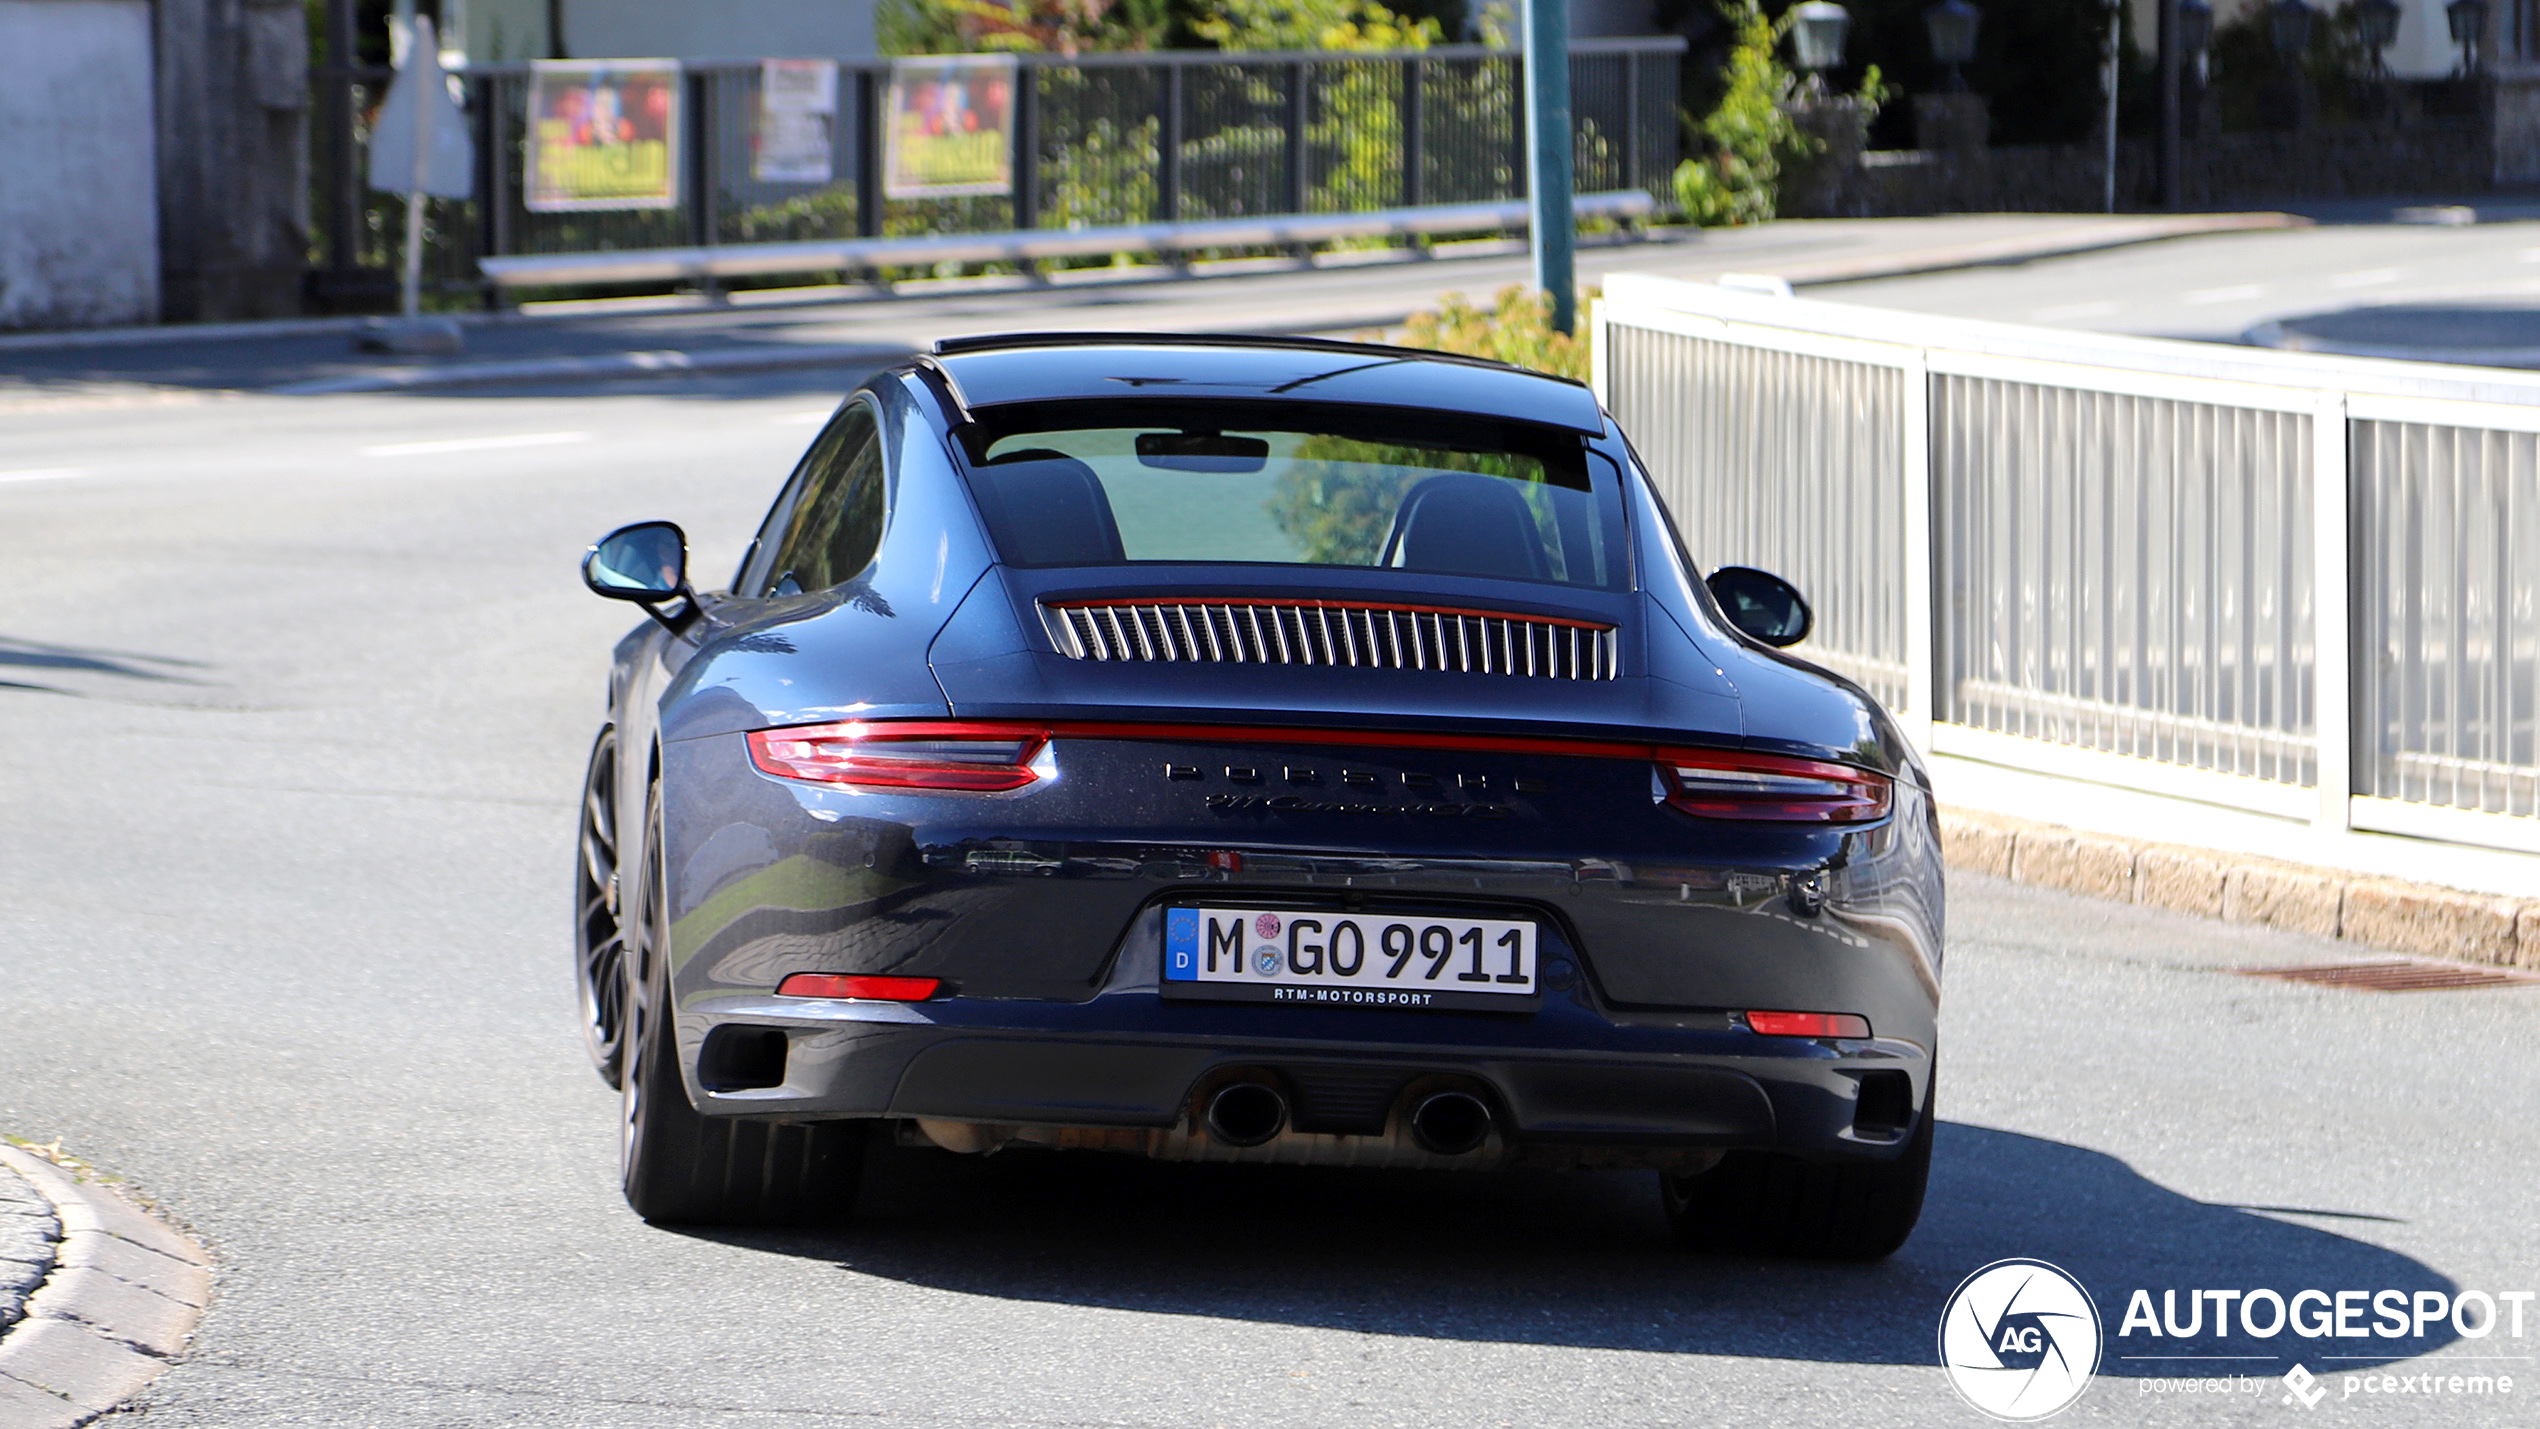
(937, 756)
(861, 985)
(1809, 1024)
(992, 756)
(1711, 784)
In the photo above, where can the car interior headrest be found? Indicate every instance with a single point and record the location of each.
(1049, 509)
(1463, 523)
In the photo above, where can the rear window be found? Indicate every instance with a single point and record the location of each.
(1288, 483)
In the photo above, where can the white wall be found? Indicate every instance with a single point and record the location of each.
(727, 29)
(79, 226)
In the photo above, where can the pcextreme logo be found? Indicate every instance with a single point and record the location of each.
(2020, 1340)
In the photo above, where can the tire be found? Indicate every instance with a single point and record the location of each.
(1774, 1204)
(681, 1167)
(599, 934)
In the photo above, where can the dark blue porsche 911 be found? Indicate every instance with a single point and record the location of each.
(1256, 751)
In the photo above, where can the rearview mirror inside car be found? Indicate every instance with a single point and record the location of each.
(645, 562)
(1762, 605)
(1202, 451)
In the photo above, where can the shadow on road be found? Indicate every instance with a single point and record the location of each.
(1578, 1259)
(33, 655)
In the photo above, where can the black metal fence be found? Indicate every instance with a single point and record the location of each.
(1100, 139)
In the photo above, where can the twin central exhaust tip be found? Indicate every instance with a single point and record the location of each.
(1246, 1114)
(1450, 1123)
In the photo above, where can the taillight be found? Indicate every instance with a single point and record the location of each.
(863, 985)
(1809, 1024)
(1717, 785)
(973, 757)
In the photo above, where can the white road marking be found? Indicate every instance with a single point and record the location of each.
(478, 444)
(2076, 310)
(791, 419)
(2232, 294)
(44, 473)
(2367, 278)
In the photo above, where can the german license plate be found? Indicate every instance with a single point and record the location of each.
(1308, 956)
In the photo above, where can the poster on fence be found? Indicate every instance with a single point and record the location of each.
(603, 134)
(797, 122)
(950, 127)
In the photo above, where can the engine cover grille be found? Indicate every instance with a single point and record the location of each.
(1328, 632)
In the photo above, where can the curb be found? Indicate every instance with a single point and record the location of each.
(765, 358)
(124, 1295)
(2423, 919)
(2002, 252)
(2278, 335)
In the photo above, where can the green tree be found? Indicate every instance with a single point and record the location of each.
(1750, 134)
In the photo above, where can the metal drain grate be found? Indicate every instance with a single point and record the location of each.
(2395, 975)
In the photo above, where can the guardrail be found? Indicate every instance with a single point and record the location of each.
(2295, 585)
(1101, 141)
(699, 265)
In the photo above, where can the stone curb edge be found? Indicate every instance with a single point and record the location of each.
(2006, 252)
(780, 356)
(124, 1295)
(2422, 919)
(763, 358)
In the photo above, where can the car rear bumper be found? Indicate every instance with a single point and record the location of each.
(1568, 1074)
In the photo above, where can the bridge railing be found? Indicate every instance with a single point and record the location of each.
(2296, 585)
(1099, 141)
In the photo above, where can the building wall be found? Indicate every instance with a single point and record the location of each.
(233, 96)
(79, 227)
(497, 31)
(728, 29)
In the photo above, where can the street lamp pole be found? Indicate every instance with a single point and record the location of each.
(1548, 156)
(2170, 58)
(2108, 76)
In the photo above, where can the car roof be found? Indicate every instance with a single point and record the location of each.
(1059, 367)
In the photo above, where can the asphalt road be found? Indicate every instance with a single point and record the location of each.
(294, 696)
(2216, 288)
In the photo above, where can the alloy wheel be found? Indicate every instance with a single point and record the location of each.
(599, 922)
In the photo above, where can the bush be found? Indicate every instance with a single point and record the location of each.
(1750, 133)
(1518, 330)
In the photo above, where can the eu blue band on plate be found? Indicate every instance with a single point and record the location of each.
(1181, 942)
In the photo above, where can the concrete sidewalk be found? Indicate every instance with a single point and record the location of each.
(569, 343)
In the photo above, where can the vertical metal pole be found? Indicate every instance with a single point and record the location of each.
(344, 204)
(1027, 144)
(701, 159)
(1169, 138)
(1548, 149)
(1299, 76)
(868, 153)
(2108, 80)
(1414, 135)
(2170, 183)
(1631, 120)
(2332, 565)
(1922, 558)
(417, 49)
(495, 93)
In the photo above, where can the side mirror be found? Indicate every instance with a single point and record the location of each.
(1762, 605)
(646, 563)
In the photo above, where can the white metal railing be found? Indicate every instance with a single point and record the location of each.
(2298, 585)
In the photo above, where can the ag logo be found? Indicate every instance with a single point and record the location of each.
(2020, 1339)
